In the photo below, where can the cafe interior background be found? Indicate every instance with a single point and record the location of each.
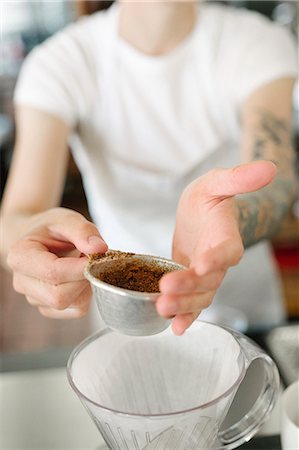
(30, 341)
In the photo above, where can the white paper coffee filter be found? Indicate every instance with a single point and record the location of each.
(158, 374)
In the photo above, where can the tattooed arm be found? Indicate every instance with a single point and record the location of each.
(267, 135)
(214, 223)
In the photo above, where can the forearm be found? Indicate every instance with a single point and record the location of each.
(36, 175)
(261, 213)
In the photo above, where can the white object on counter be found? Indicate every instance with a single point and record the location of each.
(290, 417)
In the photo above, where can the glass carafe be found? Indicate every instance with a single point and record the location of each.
(168, 392)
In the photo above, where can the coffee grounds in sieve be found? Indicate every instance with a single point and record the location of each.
(131, 273)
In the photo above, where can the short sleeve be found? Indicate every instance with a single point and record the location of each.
(257, 51)
(55, 77)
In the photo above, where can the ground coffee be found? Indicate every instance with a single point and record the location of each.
(127, 271)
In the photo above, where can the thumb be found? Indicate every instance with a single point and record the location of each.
(83, 234)
(241, 179)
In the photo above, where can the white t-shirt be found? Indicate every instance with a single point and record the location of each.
(146, 126)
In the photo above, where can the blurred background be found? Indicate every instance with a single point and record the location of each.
(28, 340)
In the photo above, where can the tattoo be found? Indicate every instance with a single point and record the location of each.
(261, 213)
(258, 150)
(276, 129)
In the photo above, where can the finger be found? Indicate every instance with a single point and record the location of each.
(72, 312)
(82, 233)
(187, 281)
(31, 257)
(170, 305)
(69, 313)
(74, 229)
(182, 322)
(56, 296)
(241, 179)
(82, 302)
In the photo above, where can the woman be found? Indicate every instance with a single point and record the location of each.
(154, 98)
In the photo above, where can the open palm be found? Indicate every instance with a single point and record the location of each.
(207, 239)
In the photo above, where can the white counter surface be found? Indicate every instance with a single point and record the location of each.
(39, 410)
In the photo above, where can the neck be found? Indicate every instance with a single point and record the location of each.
(156, 28)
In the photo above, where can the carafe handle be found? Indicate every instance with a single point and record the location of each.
(245, 428)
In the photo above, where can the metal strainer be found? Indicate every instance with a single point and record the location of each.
(127, 311)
